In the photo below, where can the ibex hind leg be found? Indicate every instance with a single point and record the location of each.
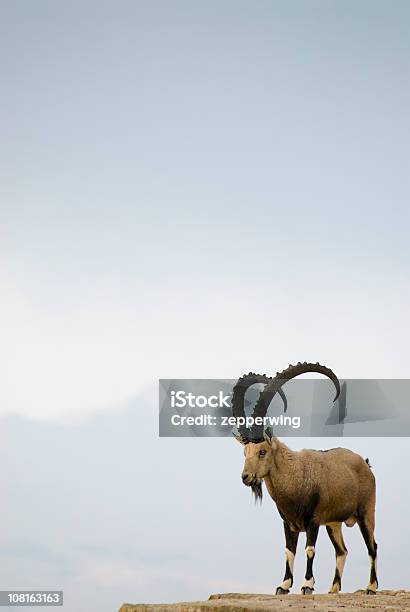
(366, 525)
(334, 531)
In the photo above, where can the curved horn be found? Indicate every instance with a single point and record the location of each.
(238, 397)
(273, 387)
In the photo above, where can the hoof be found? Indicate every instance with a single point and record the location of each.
(280, 591)
(307, 591)
(370, 592)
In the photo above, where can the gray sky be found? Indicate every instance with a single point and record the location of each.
(188, 190)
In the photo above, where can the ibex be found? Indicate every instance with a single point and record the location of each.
(310, 487)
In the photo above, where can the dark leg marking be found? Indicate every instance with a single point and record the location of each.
(291, 538)
(367, 528)
(312, 531)
(335, 534)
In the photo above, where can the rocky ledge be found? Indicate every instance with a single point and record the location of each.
(394, 601)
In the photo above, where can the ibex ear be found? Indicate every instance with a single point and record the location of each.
(268, 437)
(267, 434)
(240, 439)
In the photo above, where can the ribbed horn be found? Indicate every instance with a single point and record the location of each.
(275, 384)
(238, 397)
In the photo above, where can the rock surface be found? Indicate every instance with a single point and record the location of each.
(394, 601)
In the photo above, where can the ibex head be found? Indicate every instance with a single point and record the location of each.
(259, 445)
(258, 461)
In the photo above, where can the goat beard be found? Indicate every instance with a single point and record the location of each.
(257, 491)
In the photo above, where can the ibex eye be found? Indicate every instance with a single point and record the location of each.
(262, 453)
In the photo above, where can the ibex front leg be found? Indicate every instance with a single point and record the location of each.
(312, 531)
(291, 538)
